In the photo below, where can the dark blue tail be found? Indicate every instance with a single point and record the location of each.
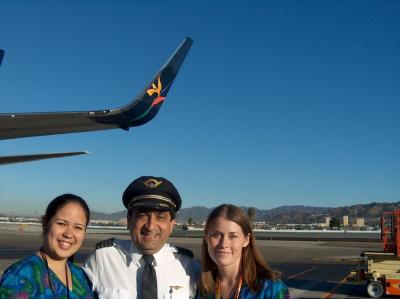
(146, 105)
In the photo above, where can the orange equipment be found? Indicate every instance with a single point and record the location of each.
(382, 268)
(390, 232)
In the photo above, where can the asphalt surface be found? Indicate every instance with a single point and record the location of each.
(311, 269)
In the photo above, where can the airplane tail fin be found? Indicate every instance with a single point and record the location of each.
(146, 105)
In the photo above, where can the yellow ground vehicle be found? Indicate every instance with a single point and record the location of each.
(382, 269)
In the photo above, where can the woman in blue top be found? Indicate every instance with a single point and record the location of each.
(48, 273)
(232, 265)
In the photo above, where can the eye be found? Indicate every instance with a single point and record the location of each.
(79, 228)
(215, 235)
(60, 223)
(163, 216)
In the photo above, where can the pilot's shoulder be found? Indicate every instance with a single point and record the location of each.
(106, 243)
(183, 251)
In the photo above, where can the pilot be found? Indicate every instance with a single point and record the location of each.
(145, 266)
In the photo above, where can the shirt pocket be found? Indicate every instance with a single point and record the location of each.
(109, 293)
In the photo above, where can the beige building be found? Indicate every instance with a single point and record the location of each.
(122, 222)
(327, 220)
(359, 222)
(345, 220)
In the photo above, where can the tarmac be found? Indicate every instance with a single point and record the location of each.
(311, 269)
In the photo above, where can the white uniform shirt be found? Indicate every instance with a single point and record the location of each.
(116, 272)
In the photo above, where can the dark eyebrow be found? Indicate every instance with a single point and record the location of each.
(162, 213)
(215, 232)
(233, 233)
(61, 219)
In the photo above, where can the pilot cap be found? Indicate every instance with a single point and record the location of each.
(153, 193)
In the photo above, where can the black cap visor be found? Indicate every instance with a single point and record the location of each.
(154, 202)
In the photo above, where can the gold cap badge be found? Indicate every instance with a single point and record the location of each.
(152, 183)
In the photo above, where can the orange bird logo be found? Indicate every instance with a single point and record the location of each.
(156, 89)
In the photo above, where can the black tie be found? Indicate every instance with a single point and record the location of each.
(149, 279)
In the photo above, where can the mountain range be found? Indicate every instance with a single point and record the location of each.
(284, 214)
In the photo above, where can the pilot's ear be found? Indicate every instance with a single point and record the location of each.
(128, 218)
(172, 225)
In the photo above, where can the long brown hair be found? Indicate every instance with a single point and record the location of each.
(253, 265)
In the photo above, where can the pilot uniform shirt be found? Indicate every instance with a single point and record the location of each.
(115, 271)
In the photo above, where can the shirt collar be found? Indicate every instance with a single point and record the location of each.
(165, 254)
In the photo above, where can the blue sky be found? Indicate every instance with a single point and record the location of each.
(278, 102)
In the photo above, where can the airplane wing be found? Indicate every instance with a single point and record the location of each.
(27, 158)
(138, 112)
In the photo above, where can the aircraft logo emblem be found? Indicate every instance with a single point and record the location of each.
(157, 90)
(153, 90)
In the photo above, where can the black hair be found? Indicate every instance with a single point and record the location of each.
(58, 203)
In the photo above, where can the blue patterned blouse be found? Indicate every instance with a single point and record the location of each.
(28, 279)
(270, 290)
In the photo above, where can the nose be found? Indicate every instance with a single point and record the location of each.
(222, 241)
(68, 231)
(150, 221)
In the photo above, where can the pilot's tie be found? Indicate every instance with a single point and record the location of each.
(149, 279)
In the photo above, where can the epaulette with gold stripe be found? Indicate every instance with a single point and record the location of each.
(105, 243)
